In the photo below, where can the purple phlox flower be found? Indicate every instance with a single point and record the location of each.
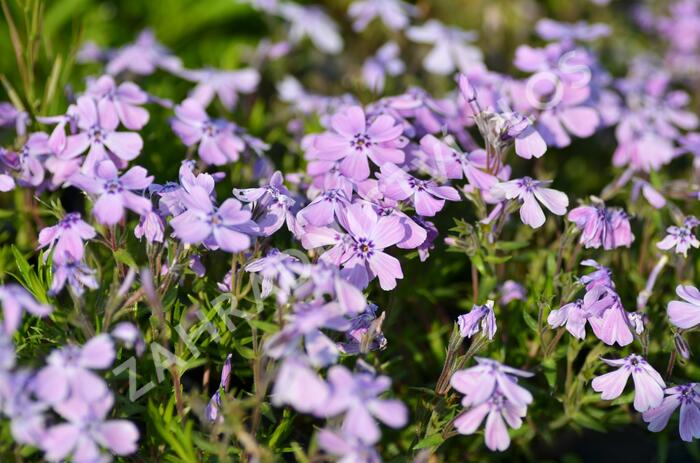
(602, 276)
(32, 157)
(431, 235)
(224, 84)
(14, 300)
(385, 61)
(276, 270)
(325, 208)
(351, 142)
(495, 409)
(601, 226)
(365, 330)
(65, 238)
(150, 226)
(552, 30)
(364, 259)
(228, 226)
(325, 280)
(637, 321)
(356, 396)
(427, 197)
(575, 314)
(613, 325)
(8, 357)
(7, 164)
(298, 385)
(430, 115)
(130, 335)
(312, 237)
(291, 91)
(512, 291)
(68, 374)
(213, 407)
(480, 319)
(685, 314)
(74, 272)
(218, 142)
(9, 115)
(142, 57)
(98, 122)
(449, 163)
(652, 195)
(305, 323)
(500, 129)
(680, 239)
(267, 50)
(123, 100)
(451, 47)
(87, 430)
(491, 392)
(648, 384)
(571, 115)
(314, 23)
(487, 378)
(90, 52)
(115, 192)
(529, 191)
(271, 203)
(687, 396)
(347, 446)
(27, 422)
(395, 14)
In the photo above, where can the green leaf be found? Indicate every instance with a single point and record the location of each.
(123, 256)
(529, 321)
(434, 440)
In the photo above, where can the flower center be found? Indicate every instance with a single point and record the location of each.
(360, 142)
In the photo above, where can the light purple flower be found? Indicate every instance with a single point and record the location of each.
(98, 122)
(395, 14)
(65, 238)
(131, 336)
(601, 226)
(451, 49)
(32, 157)
(87, 430)
(613, 325)
(356, 396)
(280, 269)
(227, 227)
(686, 314)
(480, 319)
(74, 272)
(352, 142)
(347, 446)
(115, 192)
(427, 197)
(648, 384)
(495, 409)
(326, 207)
(299, 386)
(512, 291)
(218, 144)
(213, 407)
(551, 30)
(27, 420)
(224, 84)
(305, 323)
(14, 299)
(123, 100)
(365, 258)
(143, 57)
(687, 396)
(151, 227)
(364, 326)
(479, 383)
(312, 22)
(528, 191)
(385, 62)
(575, 314)
(680, 239)
(68, 374)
